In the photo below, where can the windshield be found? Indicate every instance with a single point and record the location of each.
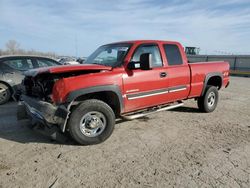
(109, 55)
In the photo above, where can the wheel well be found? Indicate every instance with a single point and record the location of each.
(215, 81)
(108, 97)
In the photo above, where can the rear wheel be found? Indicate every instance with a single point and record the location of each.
(208, 102)
(5, 93)
(92, 122)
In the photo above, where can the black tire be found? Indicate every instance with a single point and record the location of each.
(5, 93)
(208, 102)
(21, 112)
(104, 114)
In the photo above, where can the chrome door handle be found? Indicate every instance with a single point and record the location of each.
(163, 74)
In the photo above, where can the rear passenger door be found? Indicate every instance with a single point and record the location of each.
(178, 72)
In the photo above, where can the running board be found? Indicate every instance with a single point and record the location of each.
(138, 115)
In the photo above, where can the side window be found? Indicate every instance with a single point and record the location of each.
(45, 63)
(173, 54)
(153, 49)
(19, 64)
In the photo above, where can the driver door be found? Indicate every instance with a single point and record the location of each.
(145, 88)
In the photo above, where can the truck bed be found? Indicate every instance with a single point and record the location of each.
(199, 71)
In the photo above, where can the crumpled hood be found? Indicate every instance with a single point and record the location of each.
(65, 69)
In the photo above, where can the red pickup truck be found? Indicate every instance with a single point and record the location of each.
(125, 80)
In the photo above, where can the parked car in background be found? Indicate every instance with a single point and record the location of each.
(11, 73)
(68, 61)
(81, 60)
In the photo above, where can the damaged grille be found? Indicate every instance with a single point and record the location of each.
(38, 87)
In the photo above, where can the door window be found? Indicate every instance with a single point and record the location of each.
(19, 64)
(45, 63)
(152, 49)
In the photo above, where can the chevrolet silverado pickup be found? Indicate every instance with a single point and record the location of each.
(126, 80)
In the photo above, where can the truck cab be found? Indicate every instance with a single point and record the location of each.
(166, 79)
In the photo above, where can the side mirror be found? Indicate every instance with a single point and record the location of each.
(134, 65)
(146, 61)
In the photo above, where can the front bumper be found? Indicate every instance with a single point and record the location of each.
(42, 112)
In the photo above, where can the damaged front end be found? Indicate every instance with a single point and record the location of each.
(37, 102)
(42, 112)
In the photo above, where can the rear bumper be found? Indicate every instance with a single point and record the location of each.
(42, 112)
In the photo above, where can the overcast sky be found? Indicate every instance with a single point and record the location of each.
(68, 27)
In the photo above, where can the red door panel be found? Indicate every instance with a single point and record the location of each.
(145, 88)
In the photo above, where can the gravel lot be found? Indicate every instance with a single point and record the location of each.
(178, 148)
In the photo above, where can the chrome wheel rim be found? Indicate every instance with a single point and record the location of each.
(93, 124)
(211, 99)
(3, 94)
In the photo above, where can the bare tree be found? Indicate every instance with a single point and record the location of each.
(12, 46)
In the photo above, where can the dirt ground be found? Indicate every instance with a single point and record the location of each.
(178, 148)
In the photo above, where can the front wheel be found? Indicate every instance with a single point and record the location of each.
(208, 102)
(92, 122)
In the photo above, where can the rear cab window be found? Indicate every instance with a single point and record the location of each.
(173, 54)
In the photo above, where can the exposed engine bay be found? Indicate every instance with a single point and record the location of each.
(41, 85)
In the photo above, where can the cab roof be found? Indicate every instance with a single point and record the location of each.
(145, 41)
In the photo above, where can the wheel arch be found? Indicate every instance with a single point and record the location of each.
(104, 93)
(214, 79)
(92, 93)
